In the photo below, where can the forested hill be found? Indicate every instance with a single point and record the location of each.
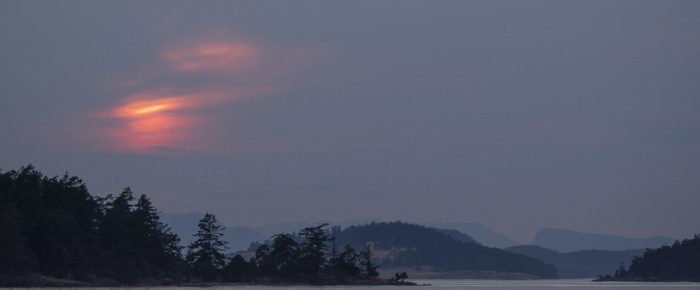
(52, 226)
(400, 244)
(457, 235)
(579, 264)
(678, 262)
(53, 232)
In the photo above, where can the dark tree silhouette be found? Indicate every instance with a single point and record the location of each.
(285, 256)
(205, 255)
(238, 270)
(333, 259)
(54, 227)
(347, 265)
(369, 270)
(140, 246)
(121, 233)
(160, 246)
(312, 251)
(303, 258)
(15, 258)
(678, 262)
(400, 277)
(621, 272)
(264, 262)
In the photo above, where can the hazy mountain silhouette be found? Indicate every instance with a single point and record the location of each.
(482, 234)
(184, 225)
(238, 237)
(398, 244)
(285, 227)
(460, 236)
(579, 264)
(569, 241)
(289, 227)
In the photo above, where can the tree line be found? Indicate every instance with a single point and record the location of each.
(309, 256)
(53, 226)
(678, 262)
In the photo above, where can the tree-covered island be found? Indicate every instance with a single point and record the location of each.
(53, 232)
(677, 262)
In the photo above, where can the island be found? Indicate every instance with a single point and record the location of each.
(55, 233)
(677, 262)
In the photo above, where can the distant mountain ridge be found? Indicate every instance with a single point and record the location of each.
(482, 234)
(460, 236)
(568, 241)
(185, 225)
(579, 264)
(240, 237)
(398, 244)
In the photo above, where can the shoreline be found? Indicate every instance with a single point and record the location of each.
(40, 281)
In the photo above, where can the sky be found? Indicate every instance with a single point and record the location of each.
(517, 115)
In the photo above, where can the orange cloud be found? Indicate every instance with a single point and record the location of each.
(180, 115)
(159, 119)
(211, 56)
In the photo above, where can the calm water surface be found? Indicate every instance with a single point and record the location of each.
(461, 284)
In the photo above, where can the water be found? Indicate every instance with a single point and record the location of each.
(579, 284)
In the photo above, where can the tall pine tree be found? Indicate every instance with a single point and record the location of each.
(312, 250)
(160, 247)
(369, 270)
(205, 255)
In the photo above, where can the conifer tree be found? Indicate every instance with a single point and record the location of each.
(238, 270)
(15, 258)
(119, 235)
(312, 250)
(205, 255)
(263, 261)
(284, 254)
(347, 264)
(160, 246)
(369, 270)
(53, 226)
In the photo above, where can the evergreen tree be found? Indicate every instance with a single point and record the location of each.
(160, 248)
(204, 255)
(284, 255)
(15, 258)
(678, 262)
(621, 272)
(119, 236)
(55, 227)
(369, 270)
(238, 270)
(265, 265)
(333, 260)
(312, 250)
(346, 266)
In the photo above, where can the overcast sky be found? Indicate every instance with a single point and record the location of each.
(518, 115)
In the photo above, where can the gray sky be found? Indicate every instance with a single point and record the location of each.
(514, 114)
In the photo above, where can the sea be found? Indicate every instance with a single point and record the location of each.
(578, 284)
